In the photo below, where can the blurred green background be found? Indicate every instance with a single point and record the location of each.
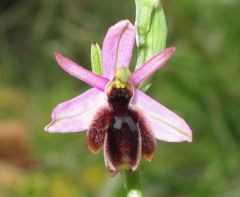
(201, 83)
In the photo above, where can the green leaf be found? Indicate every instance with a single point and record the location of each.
(96, 60)
(152, 33)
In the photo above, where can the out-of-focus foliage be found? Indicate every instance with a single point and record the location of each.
(201, 83)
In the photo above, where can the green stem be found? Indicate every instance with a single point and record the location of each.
(132, 183)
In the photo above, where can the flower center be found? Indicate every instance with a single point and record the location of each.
(118, 100)
(120, 91)
(122, 76)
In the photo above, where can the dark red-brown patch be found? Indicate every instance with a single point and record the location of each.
(98, 129)
(123, 131)
(123, 142)
(148, 140)
(123, 145)
(118, 100)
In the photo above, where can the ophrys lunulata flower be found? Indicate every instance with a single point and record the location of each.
(117, 116)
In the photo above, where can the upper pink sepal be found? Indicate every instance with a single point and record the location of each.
(165, 124)
(81, 73)
(117, 47)
(151, 66)
(75, 115)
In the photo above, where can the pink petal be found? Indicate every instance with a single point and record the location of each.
(165, 124)
(117, 47)
(151, 66)
(76, 114)
(81, 73)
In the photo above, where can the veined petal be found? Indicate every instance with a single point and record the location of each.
(117, 47)
(165, 124)
(151, 66)
(81, 73)
(76, 114)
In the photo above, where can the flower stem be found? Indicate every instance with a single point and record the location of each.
(151, 33)
(132, 183)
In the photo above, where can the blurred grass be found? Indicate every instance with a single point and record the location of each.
(201, 83)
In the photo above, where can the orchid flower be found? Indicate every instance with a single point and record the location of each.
(118, 116)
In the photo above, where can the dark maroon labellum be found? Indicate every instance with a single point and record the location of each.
(123, 132)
